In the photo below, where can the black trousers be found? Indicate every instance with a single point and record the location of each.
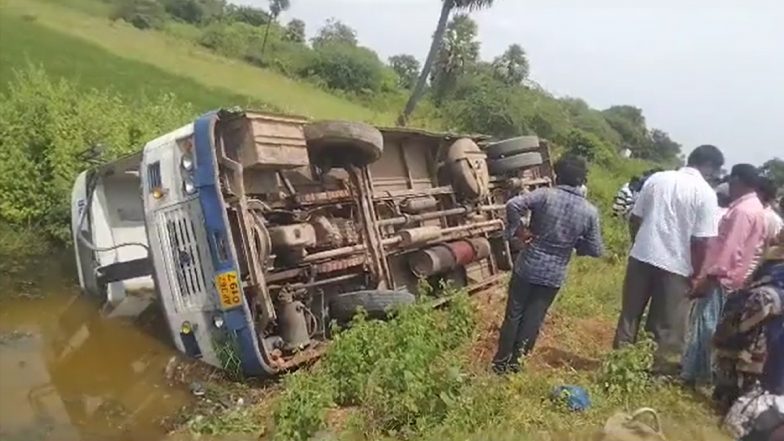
(668, 312)
(526, 309)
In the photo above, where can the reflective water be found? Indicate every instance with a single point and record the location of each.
(67, 373)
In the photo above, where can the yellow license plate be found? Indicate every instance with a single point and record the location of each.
(228, 290)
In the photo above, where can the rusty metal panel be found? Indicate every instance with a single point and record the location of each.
(264, 141)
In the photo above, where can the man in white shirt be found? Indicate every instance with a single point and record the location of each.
(674, 215)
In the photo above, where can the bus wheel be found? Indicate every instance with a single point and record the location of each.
(376, 303)
(343, 143)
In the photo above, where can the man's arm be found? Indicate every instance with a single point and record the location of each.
(699, 250)
(706, 227)
(635, 222)
(518, 206)
(591, 244)
(640, 209)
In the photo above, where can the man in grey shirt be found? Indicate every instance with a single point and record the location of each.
(562, 220)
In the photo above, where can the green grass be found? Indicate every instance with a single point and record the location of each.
(158, 53)
(25, 41)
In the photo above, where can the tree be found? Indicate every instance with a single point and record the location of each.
(629, 122)
(774, 169)
(512, 66)
(142, 14)
(480, 103)
(248, 14)
(589, 146)
(194, 11)
(662, 149)
(295, 31)
(335, 32)
(276, 7)
(406, 67)
(447, 7)
(459, 51)
(349, 68)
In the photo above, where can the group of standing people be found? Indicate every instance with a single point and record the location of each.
(706, 263)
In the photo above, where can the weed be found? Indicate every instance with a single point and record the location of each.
(403, 373)
(237, 420)
(626, 372)
(226, 351)
(302, 408)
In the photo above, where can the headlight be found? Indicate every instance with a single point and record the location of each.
(217, 321)
(187, 162)
(186, 328)
(188, 186)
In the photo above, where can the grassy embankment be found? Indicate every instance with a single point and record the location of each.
(442, 391)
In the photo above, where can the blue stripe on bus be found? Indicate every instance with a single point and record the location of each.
(205, 178)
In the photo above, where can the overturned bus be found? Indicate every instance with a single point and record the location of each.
(253, 231)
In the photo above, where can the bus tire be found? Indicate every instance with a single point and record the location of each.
(515, 162)
(512, 146)
(376, 303)
(343, 143)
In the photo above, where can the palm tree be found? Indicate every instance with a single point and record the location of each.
(447, 7)
(276, 7)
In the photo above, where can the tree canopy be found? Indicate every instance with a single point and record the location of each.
(295, 31)
(459, 51)
(512, 66)
(335, 32)
(406, 67)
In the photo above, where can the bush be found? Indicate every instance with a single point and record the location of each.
(49, 129)
(415, 384)
(626, 372)
(233, 40)
(142, 14)
(482, 104)
(287, 57)
(247, 14)
(348, 68)
(589, 146)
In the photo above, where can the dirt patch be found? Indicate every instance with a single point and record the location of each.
(578, 343)
(338, 418)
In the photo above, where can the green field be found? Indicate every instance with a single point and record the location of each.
(100, 53)
(25, 41)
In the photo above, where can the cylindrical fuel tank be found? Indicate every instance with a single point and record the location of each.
(293, 325)
(433, 260)
(463, 251)
(481, 247)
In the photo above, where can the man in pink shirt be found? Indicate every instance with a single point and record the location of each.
(728, 259)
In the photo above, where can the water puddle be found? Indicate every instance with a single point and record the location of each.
(67, 373)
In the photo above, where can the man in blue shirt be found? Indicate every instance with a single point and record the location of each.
(561, 221)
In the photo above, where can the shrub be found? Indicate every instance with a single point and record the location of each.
(232, 39)
(287, 57)
(403, 373)
(349, 68)
(626, 372)
(302, 408)
(589, 146)
(482, 104)
(49, 129)
(247, 14)
(142, 14)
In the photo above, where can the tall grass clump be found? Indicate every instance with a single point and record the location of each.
(402, 374)
(50, 131)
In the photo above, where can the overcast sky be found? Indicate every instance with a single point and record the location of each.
(706, 71)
